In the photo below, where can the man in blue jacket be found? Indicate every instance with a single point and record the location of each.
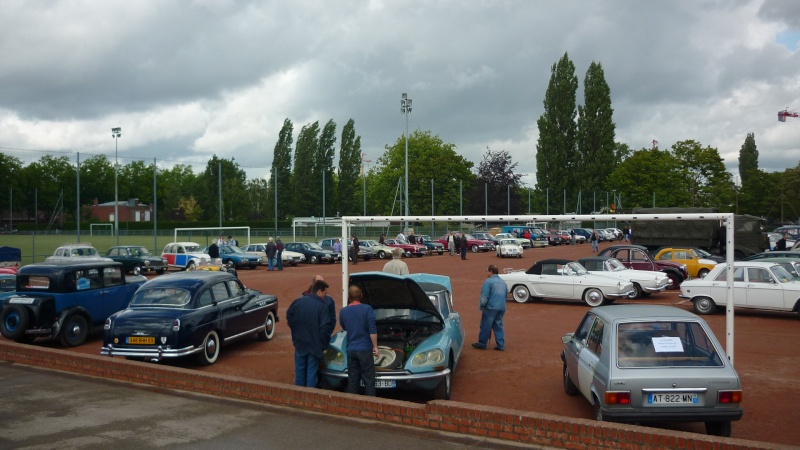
(310, 321)
(493, 307)
(358, 320)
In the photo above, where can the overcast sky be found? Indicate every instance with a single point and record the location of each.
(189, 79)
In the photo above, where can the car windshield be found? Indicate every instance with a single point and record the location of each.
(508, 242)
(574, 268)
(313, 246)
(665, 344)
(614, 265)
(231, 249)
(167, 297)
(139, 251)
(699, 253)
(781, 274)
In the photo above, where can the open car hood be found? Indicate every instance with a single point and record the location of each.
(386, 290)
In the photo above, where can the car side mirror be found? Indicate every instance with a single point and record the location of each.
(565, 339)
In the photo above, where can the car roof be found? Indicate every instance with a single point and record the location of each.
(188, 280)
(645, 312)
(59, 266)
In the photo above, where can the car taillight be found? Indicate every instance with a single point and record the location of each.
(176, 325)
(730, 396)
(618, 398)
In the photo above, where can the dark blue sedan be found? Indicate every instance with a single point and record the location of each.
(189, 313)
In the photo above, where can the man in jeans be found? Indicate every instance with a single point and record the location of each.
(493, 307)
(310, 321)
(358, 320)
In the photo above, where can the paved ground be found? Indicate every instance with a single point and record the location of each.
(528, 375)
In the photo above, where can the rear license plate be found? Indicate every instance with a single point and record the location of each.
(671, 399)
(383, 384)
(141, 340)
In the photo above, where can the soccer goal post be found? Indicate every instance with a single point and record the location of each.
(101, 225)
(214, 232)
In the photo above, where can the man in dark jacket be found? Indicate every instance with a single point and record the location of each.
(309, 319)
(279, 253)
(213, 250)
(271, 251)
(464, 245)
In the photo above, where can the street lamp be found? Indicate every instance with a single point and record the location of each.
(116, 133)
(405, 108)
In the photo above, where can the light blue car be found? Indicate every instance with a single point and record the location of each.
(420, 335)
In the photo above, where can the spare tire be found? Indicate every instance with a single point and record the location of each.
(14, 321)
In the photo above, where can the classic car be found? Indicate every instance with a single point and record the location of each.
(695, 263)
(189, 313)
(645, 282)
(535, 235)
(637, 257)
(137, 259)
(565, 280)
(314, 253)
(65, 299)
(420, 335)
(380, 250)
(509, 248)
(287, 256)
(73, 252)
(236, 257)
(554, 238)
(538, 237)
(775, 255)
(521, 241)
(756, 284)
(579, 235)
(651, 363)
(433, 246)
(487, 237)
(408, 249)
(474, 245)
(10, 258)
(184, 255)
(365, 253)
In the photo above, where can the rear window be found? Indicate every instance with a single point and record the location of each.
(33, 282)
(665, 344)
(167, 297)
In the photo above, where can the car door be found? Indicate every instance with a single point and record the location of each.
(576, 345)
(719, 287)
(230, 308)
(589, 357)
(639, 260)
(762, 291)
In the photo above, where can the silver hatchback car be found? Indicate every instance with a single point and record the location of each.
(650, 363)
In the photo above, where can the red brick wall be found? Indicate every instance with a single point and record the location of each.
(511, 425)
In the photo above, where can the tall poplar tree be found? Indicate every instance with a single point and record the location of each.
(596, 132)
(349, 165)
(282, 170)
(555, 148)
(303, 184)
(748, 158)
(323, 171)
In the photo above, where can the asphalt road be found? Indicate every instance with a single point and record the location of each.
(46, 409)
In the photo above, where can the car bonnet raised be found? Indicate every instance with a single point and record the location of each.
(385, 290)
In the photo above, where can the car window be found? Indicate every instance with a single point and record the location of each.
(584, 327)
(665, 256)
(758, 275)
(237, 290)
(113, 252)
(160, 297)
(682, 255)
(738, 274)
(205, 299)
(88, 279)
(638, 255)
(112, 276)
(665, 344)
(595, 340)
(220, 291)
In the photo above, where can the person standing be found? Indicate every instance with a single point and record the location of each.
(329, 303)
(464, 246)
(572, 236)
(310, 323)
(271, 251)
(781, 244)
(594, 239)
(451, 243)
(337, 246)
(627, 233)
(358, 320)
(401, 238)
(396, 266)
(382, 240)
(412, 239)
(213, 250)
(493, 308)
(279, 253)
(356, 246)
(232, 241)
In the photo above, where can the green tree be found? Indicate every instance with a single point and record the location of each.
(259, 199)
(234, 199)
(11, 179)
(709, 183)
(350, 203)
(303, 183)
(173, 185)
(323, 171)
(136, 181)
(189, 209)
(596, 132)
(555, 148)
(646, 173)
(97, 181)
(748, 158)
(282, 170)
(496, 182)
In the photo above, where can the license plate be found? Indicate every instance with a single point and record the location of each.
(671, 399)
(383, 384)
(141, 340)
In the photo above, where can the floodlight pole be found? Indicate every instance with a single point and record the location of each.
(116, 133)
(405, 108)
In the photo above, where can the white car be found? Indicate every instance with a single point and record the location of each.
(381, 251)
(756, 284)
(77, 252)
(645, 282)
(522, 242)
(508, 248)
(287, 256)
(564, 279)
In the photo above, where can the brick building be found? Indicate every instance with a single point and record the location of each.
(129, 211)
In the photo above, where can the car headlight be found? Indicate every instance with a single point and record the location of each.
(428, 358)
(333, 357)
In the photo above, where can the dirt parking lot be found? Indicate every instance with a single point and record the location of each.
(527, 376)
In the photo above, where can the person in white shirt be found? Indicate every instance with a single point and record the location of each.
(401, 237)
(396, 266)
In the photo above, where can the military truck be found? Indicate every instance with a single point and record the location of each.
(706, 234)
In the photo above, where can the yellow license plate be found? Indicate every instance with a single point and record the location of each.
(141, 340)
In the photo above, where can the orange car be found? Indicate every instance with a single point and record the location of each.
(696, 263)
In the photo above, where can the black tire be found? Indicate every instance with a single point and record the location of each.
(253, 266)
(294, 264)
(314, 259)
(74, 330)
(160, 271)
(210, 352)
(569, 386)
(719, 428)
(191, 266)
(381, 254)
(521, 294)
(593, 297)
(136, 269)
(474, 248)
(637, 292)
(675, 281)
(445, 387)
(269, 328)
(14, 321)
(441, 252)
(598, 413)
(704, 305)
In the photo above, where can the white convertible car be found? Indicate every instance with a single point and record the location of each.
(565, 280)
(756, 284)
(645, 282)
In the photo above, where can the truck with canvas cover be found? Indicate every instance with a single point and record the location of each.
(706, 234)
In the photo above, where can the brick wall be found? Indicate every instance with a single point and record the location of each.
(511, 425)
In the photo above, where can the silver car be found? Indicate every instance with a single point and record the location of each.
(650, 363)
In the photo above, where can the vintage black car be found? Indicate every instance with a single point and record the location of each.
(137, 259)
(65, 299)
(189, 313)
(314, 253)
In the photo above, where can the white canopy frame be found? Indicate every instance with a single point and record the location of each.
(726, 218)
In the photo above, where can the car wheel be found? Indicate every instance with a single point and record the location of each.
(521, 294)
(160, 271)
(381, 254)
(314, 259)
(474, 249)
(674, 281)
(294, 264)
(210, 351)
(704, 305)
(191, 266)
(74, 331)
(269, 327)
(598, 413)
(441, 252)
(253, 266)
(14, 321)
(407, 254)
(702, 273)
(442, 391)
(569, 386)
(637, 292)
(136, 270)
(719, 428)
(593, 297)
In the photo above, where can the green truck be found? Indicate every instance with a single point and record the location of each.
(709, 235)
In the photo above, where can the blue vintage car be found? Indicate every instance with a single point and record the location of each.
(189, 313)
(235, 257)
(314, 253)
(420, 335)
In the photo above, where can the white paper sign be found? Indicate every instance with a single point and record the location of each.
(667, 344)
